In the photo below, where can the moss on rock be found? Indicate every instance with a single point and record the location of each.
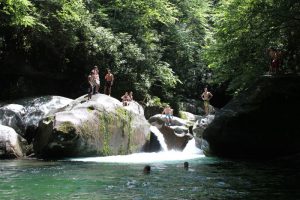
(66, 128)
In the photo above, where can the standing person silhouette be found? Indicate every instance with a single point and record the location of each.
(206, 96)
(95, 78)
(274, 60)
(91, 88)
(109, 80)
(168, 111)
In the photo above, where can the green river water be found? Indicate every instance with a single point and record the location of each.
(115, 178)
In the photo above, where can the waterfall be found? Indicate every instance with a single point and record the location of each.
(191, 148)
(189, 152)
(160, 137)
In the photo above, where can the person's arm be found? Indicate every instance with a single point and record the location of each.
(112, 79)
(210, 95)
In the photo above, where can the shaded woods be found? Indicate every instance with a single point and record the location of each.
(168, 49)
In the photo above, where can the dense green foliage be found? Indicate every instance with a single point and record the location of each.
(163, 48)
(244, 30)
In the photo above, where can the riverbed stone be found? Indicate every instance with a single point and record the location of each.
(261, 121)
(101, 126)
(201, 124)
(24, 115)
(12, 145)
(176, 136)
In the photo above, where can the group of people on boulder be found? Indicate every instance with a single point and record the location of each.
(94, 85)
(206, 96)
(127, 98)
(94, 82)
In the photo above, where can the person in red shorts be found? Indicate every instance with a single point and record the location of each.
(109, 80)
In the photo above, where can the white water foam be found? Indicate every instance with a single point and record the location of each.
(142, 157)
(190, 152)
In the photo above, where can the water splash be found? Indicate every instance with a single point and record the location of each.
(191, 148)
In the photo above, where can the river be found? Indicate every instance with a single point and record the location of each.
(121, 177)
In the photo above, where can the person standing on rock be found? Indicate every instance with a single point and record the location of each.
(109, 80)
(95, 79)
(168, 111)
(91, 88)
(206, 96)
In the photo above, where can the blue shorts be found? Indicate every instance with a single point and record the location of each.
(168, 116)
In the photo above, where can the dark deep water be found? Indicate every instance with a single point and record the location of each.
(207, 178)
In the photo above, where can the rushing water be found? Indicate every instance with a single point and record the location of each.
(122, 177)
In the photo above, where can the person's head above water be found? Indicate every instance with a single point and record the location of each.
(186, 165)
(147, 169)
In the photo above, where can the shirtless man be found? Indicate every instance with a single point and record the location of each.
(168, 111)
(206, 96)
(95, 78)
(109, 80)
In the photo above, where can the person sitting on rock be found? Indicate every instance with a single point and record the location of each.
(131, 95)
(125, 99)
(168, 111)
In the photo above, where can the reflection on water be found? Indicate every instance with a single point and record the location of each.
(207, 178)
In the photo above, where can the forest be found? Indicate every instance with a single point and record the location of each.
(162, 50)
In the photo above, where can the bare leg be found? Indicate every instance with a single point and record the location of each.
(109, 91)
(97, 88)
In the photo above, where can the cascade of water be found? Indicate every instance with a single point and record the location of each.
(190, 152)
(191, 148)
(160, 137)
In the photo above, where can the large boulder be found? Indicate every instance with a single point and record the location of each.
(201, 124)
(192, 106)
(12, 145)
(97, 127)
(175, 136)
(12, 115)
(260, 122)
(152, 110)
(25, 114)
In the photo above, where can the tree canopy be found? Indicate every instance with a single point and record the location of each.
(156, 48)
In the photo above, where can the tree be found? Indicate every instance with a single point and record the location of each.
(243, 30)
